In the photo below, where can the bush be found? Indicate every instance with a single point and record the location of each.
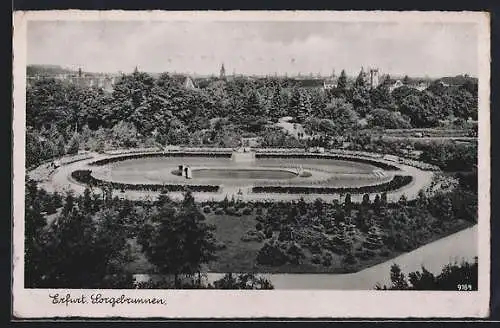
(269, 232)
(295, 253)
(316, 259)
(219, 245)
(231, 210)
(207, 209)
(271, 254)
(239, 205)
(315, 247)
(246, 211)
(370, 253)
(219, 211)
(253, 235)
(350, 259)
(364, 254)
(327, 259)
(259, 211)
(259, 218)
(259, 226)
(384, 252)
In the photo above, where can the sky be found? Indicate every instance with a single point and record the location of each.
(199, 47)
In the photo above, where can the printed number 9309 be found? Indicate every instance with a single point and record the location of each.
(464, 287)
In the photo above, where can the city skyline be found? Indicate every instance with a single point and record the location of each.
(256, 48)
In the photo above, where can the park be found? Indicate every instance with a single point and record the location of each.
(280, 185)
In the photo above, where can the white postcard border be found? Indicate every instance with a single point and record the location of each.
(35, 303)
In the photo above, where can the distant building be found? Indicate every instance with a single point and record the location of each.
(329, 84)
(420, 86)
(81, 79)
(395, 85)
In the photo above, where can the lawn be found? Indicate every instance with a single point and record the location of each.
(238, 255)
(241, 256)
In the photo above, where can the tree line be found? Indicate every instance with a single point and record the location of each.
(143, 110)
(86, 242)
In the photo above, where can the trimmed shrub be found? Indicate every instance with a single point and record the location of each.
(207, 209)
(381, 165)
(85, 176)
(259, 226)
(397, 182)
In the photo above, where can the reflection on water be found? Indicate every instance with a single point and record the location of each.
(242, 174)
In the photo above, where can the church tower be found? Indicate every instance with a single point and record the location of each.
(222, 72)
(374, 78)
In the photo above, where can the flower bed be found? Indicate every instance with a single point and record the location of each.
(397, 182)
(162, 154)
(381, 165)
(85, 177)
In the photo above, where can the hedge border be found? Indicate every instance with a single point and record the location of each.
(378, 164)
(397, 182)
(85, 177)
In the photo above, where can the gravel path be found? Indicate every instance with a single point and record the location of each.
(61, 181)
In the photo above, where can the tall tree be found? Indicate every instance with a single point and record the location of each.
(180, 241)
(342, 84)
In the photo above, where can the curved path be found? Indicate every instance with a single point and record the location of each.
(454, 248)
(60, 180)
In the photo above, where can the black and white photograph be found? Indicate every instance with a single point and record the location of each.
(258, 158)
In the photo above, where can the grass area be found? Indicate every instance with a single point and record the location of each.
(239, 256)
